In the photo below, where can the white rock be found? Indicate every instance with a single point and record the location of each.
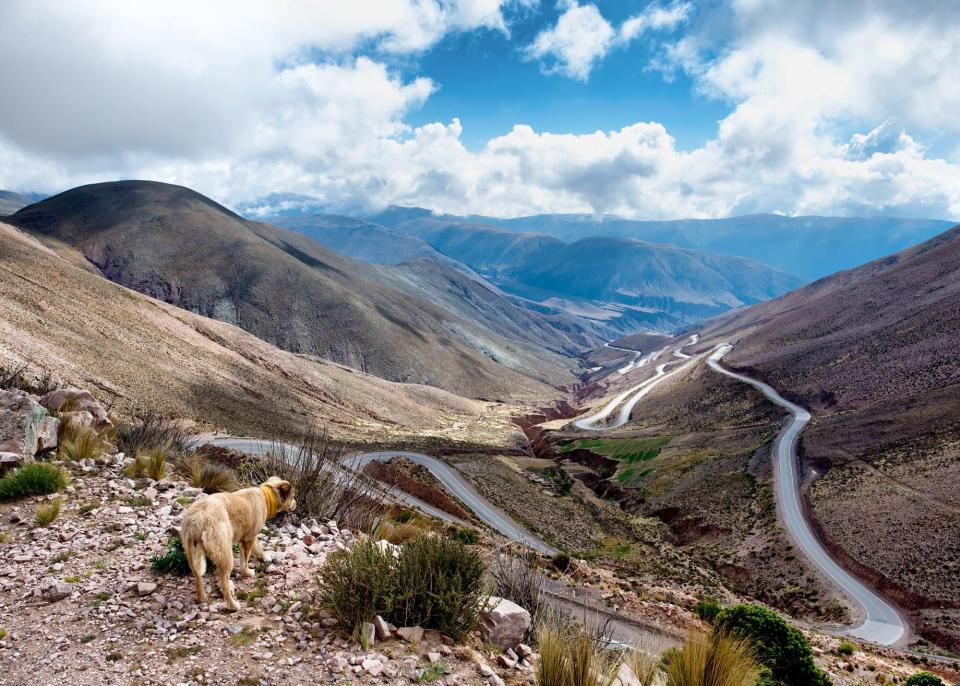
(504, 623)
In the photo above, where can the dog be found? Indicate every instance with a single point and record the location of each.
(212, 525)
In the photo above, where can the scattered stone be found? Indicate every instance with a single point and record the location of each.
(146, 588)
(410, 634)
(382, 628)
(432, 657)
(504, 623)
(58, 591)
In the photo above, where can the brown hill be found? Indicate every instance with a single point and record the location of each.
(142, 354)
(181, 247)
(873, 352)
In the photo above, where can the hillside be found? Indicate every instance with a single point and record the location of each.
(873, 352)
(147, 355)
(180, 247)
(810, 247)
(10, 202)
(668, 285)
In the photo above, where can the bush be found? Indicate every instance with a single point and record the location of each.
(465, 536)
(520, 580)
(49, 512)
(561, 562)
(438, 585)
(356, 584)
(716, 659)
(36, 478)
(779, 647)
(173, 561)
(81, 443)
(924, 679)
(846, 648)
(151, 432)
(707, 609)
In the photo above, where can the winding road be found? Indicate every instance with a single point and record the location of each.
(452, 481)
(883, 624)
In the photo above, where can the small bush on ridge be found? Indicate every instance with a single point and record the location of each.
(36, 478)
(924, 679)
(150, 463)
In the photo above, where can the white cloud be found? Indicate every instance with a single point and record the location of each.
(582, 36)
(828, 113)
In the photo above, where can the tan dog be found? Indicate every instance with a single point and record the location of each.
(212, 525)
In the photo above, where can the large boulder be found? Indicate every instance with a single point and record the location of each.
(26, 428)
(504, 623)
(77, 400)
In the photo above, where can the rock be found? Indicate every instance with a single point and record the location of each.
(485, 670)
(80, 419)
(495, 680)
(524, 650)
(26, 428)
(368, 634)
(410, 634)
(146, 588)
(372, 667)
(10, 461)
(58, 591)
(504, 661)
(433, 657)
(382, 628)
(504, 623)
(626, 676)
(78, 400)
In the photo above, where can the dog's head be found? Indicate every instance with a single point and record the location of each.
(284, 491)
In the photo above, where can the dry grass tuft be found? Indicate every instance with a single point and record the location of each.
(571, 654)
(149, 463)
(716, 659)
(46, 514)
(81, 443)
(207, 475)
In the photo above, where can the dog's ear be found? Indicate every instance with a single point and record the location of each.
(283, 489)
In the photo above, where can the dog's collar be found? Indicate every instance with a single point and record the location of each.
(272, 499)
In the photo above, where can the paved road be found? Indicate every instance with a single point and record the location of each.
(630, 397)
(883, 623)
(451, 480)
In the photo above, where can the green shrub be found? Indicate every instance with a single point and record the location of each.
(47, 513)
(716, 659)
(356, 584)
(779, 647)
(438, 584)
(36, 478)
(707, 609)
(561, 562)
(173, 561)
(924, 679)
(466, 536)
(433, 582)
(846, 648)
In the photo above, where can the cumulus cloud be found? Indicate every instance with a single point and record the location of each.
(582, 36)
(829, 110)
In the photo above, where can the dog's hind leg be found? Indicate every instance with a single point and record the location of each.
(257, 551)
(198, 565)
(218, 548)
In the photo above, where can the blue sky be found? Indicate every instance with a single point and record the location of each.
(644, 109)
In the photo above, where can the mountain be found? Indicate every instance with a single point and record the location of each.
(619, 278)
(176, 245)
(144, 354)
(810, 247)
(874, 352)
(10, 202)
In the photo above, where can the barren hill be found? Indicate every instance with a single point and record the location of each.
(183, 248)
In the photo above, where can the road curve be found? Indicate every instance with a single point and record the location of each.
(456, 484)
(883, 624)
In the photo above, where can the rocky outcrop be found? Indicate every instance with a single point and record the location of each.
(77, 404)
(504, 623)
(26, 428)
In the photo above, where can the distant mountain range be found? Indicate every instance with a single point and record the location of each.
(10, 202)
(621, 284)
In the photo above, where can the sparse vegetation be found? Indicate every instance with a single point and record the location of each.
(3, 633)
(707, 609)
(19, 378)
(152, 432)
(79, 443)
(151, 463)
(432, 581)
(780, 648)
(46, 514)
(644, 660)
(629, 450)
(402, 528)
(209, 476)
(518, 578)
(35, 478)
(714, 659)
(570, 655)
(846, 648)
(173, 561)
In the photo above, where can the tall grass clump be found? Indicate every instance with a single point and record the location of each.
(714, 659)
(438, 584)
(357, 584)
(46, 514)
(148, 463)
(325, 488)
(79, 443)
(779, 647)
(150, 432)
(209, 476)
(572, 655)
(36, 478)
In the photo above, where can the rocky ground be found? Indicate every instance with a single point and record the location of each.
(79, 603)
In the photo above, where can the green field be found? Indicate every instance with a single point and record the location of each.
(629, 450)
